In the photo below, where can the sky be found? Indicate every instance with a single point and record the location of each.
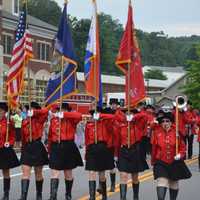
(174, 17)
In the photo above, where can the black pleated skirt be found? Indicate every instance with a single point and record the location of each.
(34, 154)
(8, 158)
(176, 171)
(99, 157)
(132, 160)
(64, 155)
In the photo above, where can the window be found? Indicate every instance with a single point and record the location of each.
(7, 44)
(16, 7)
(43, 50)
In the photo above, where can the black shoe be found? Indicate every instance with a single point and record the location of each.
(92, 190)
(123, 190)
(161, 192)
(104, 190)
(6, 188)
(39, 185)
(173, 194)
(68, 185)
(112, 179)
(135, 191)
(24, 189)
(54, 188)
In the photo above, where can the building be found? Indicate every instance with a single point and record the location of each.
(43, 35)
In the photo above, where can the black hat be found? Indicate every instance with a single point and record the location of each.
(35, 105)
(165, 115)
(150, 107)
(65, 106)
(108, 110)
(4, 106)
(114, 101)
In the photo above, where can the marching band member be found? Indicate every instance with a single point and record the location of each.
(64, 154)
(197, 131)
(8, 158)
(33, 153)
(98, 155)
(166, 166)
(189, 130)
(114, 106)
(131, 160)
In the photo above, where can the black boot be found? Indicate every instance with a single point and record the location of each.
(161, 192)
(54, 188)
(173, 194)
(92, 190)
(24, 189)
(104, 190)
(123, 190)
(39, 185)
(99, 189)
(6, 188)
(68, 185)
(135, 191)
(112, 179)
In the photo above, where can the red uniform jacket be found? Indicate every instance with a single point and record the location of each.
(136, 129)
(184, 118)
(3, 130)
(68, 127)
(37, 124)
(104, 130)
(164, 145)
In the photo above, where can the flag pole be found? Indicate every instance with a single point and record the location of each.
(7, 128)
(129, 128)
(61, 90)
(177, 124)
(29, 84)
(61, 95)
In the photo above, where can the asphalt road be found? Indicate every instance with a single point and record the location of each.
(189, 189)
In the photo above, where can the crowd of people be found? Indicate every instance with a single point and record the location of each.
(115, 140)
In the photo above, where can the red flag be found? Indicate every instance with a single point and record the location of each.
(129, 54)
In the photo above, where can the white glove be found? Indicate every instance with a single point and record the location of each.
(155, 121)
(50, 113)
(30, 113)
(59, 115)
(177, 156)
(129, 118)
(96, 116)
(6, 115)
(115, 159)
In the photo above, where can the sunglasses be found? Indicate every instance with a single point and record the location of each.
(165, 120)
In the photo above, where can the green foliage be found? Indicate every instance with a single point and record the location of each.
(157, 49)
(192, 89)
(155, 74)
(46, 10)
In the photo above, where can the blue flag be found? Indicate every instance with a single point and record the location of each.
(63, 50)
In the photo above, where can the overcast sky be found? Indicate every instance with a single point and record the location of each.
(174, 17)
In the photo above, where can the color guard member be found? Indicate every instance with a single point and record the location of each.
(8, 158)
(33, 153)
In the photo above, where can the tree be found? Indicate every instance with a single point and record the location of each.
(192, 88)
(45, 10)
(155, 74)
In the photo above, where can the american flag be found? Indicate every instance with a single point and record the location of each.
(21, 54)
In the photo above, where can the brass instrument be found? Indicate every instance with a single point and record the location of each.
(180, 102)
